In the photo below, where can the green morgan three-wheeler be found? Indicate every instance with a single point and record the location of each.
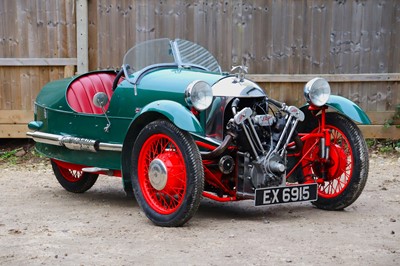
(176, 128)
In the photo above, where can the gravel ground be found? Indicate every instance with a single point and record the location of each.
(42, 224)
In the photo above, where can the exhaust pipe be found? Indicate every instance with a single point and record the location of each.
(73, 143)
(219, 150)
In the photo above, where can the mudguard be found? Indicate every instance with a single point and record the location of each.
(179, 115)
(349, 109)
(345, 107)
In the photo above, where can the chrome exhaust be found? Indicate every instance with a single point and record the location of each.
(73, 143)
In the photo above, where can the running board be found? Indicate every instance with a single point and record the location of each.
(73, 143)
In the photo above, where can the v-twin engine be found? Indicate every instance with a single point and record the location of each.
(262, 140)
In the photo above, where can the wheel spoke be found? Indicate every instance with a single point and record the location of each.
(71, 175)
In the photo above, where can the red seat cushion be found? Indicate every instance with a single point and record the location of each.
(81, 91)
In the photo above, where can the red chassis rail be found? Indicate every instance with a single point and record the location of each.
(78, 167)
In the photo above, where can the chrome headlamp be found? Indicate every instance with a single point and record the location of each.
(199, 95)
(317, 91)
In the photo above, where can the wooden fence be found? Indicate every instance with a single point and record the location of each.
(37, 44)
(355, 44)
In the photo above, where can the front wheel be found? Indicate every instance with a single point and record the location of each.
(345, 172)
(167, 174)
(72, 178)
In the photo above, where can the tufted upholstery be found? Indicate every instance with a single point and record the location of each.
(81, 91)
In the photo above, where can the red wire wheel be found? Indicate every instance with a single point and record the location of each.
(339, 167)
(347, 166)
(167, 173)
(71, 175)
(162, 177)
(72, 178)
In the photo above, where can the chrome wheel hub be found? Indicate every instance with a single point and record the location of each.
(158, 174)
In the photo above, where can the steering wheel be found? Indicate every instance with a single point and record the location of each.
(119, 75)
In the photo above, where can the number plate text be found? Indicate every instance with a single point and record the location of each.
(278, 195)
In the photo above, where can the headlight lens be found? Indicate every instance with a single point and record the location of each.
(199, 95)
(317, 91)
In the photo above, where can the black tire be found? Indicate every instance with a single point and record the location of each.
(167, 174)
(348, 175)
(73, 180)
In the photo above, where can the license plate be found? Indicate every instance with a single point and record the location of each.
(278, 195)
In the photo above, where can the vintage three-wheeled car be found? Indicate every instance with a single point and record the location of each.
(176, 129)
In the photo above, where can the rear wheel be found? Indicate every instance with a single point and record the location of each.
(73, 179)
(167, 174)
(345, 172)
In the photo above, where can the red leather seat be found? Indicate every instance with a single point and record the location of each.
(81, 91)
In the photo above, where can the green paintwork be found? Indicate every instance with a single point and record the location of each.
(164, 84)
(159, 91)
(103, 159)
(177, 114)
(82, 126)
(348, 108)
(53, 95)
(35, 125)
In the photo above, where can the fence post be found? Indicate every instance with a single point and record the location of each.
(82, 36)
